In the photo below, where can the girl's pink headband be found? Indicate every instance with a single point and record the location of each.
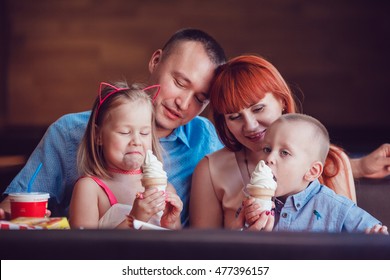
(116, 89)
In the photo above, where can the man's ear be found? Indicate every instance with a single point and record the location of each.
(154, 60)
(315, 171)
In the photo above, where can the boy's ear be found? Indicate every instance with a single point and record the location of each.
(315, 171)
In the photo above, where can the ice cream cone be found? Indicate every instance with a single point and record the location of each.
(153, 173)
(262, 186)
(260, 192)
(263, 196)
(154, 176)
(159, 183)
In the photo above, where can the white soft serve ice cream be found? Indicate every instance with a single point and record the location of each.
(152, 167)
(262, 176)
(154, 176)
(262, 186)
(153, 172)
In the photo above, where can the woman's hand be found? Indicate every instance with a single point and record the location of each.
(251, 210)
(264, 223)
(374, 165)
(171, 216)
(256, 219)
(147, 204)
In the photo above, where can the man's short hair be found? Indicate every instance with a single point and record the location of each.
(213, 49)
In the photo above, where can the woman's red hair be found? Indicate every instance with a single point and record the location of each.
(239, 84)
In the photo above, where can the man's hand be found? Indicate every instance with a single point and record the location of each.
(375, 165)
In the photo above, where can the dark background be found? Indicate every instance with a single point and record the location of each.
(334, 54)
(54, 53)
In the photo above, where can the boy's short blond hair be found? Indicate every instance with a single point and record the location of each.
(319, 133)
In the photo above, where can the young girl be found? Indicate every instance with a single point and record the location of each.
(119, 132)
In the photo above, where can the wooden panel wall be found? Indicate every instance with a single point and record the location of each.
(3, 62)
(336, 52)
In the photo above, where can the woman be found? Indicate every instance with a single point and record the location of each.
(247, 95)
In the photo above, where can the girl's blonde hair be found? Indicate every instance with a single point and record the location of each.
(90, 158)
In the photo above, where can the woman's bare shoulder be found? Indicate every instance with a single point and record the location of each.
(221, 154)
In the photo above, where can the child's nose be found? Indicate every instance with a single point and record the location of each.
(270, 159)
(135, 139)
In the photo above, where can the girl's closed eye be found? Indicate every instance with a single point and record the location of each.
(145, 132)
(124, 132)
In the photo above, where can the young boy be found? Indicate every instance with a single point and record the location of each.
(295, 147)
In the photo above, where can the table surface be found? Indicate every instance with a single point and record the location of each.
(189, 244)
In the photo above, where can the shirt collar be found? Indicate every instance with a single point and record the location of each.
(178, 133)
(301, 198)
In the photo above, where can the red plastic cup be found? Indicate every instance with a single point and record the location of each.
(32, 204)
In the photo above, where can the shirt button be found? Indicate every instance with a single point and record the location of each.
(298, 205)
(284, 215)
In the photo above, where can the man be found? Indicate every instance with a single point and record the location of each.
(184, 68)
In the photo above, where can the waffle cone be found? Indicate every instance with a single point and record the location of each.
(153, 182)
(260, 192)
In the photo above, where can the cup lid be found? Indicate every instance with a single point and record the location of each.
(31, 196)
